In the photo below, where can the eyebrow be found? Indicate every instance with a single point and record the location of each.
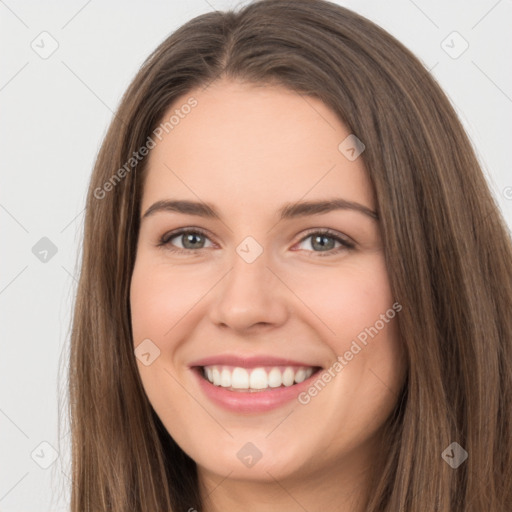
(288, 211)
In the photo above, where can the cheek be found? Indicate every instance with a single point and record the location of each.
(355, 312)
(358, 322)
(346, 299)
(161, 296)
(161, 301)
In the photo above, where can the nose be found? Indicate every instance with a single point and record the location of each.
(250, 297)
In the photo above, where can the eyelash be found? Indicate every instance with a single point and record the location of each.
(165, 241)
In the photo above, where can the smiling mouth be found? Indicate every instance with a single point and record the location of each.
(250, 380)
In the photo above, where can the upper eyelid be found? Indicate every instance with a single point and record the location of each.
(181, 231)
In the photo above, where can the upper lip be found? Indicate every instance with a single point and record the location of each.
(248, 361)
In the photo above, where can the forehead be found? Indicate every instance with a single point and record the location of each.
(256, 146)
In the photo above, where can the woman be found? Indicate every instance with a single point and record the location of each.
(340, 338)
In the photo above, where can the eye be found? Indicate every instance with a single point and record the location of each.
(194, 239)
(325, 241)
(190, 239)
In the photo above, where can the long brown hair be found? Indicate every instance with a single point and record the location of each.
(447, 248)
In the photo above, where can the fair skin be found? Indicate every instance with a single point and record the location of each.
(247, 151)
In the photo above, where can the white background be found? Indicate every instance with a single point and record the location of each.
(54, 114)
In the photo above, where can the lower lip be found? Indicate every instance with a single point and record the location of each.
(248, 402)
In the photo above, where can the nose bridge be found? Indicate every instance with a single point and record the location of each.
(249, 293)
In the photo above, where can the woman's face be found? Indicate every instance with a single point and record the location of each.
(255, 297)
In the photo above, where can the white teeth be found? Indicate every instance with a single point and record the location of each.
(300, 375)
(274, 378)
(259, 379)
(288, 377)
(240, 378)
(225, 378)
(256, 378)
